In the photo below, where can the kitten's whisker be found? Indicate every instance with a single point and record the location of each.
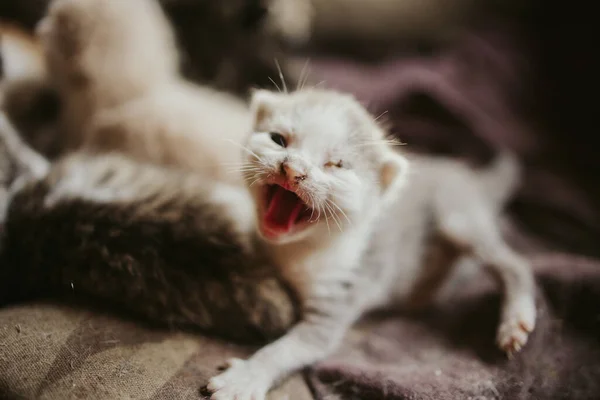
(336, 219)
(381, 115)
(326, 220)
(233, 171)
(228, 164)
(305, 81)
(332, 213)
(255, 181)
(385, 140)
(339, 223)
(395, 142)
(243, 148)
(390, 142)
(245, 168)
(275, 83)
(319, 84)
(303, 76)
(281, 76)
(318, 211)
(312, 213)
(240, 165)
(341, 211)
(252, 174)
(312, 202)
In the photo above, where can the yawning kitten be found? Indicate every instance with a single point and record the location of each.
(351, 228)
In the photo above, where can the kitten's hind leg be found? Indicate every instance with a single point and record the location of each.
(465, 219)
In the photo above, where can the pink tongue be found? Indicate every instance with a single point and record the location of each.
(283, 209)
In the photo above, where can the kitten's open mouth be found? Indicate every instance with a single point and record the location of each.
(284, 211)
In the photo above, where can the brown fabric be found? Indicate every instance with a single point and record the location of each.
(58, 352)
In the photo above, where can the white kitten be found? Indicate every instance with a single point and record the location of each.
(328, 192)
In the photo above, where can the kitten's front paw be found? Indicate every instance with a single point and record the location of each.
(239, 382)
(517, 323)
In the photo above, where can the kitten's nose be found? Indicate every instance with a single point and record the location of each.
(291, 173)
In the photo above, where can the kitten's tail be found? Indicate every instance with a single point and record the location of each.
(500, 180)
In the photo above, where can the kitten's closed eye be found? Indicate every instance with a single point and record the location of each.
(279, 139)
(339, 164)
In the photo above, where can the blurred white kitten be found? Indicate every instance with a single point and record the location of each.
(115, 64)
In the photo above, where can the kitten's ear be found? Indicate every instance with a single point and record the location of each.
(262, 103)
(393, 171)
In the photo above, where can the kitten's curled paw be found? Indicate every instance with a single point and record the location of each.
(516, 325)
(239, 382)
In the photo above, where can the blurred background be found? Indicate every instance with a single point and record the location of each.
(453, 77)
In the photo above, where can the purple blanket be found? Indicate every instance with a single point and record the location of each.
(491, 89)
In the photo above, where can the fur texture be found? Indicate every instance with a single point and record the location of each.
(162, 244)
(380, 233)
